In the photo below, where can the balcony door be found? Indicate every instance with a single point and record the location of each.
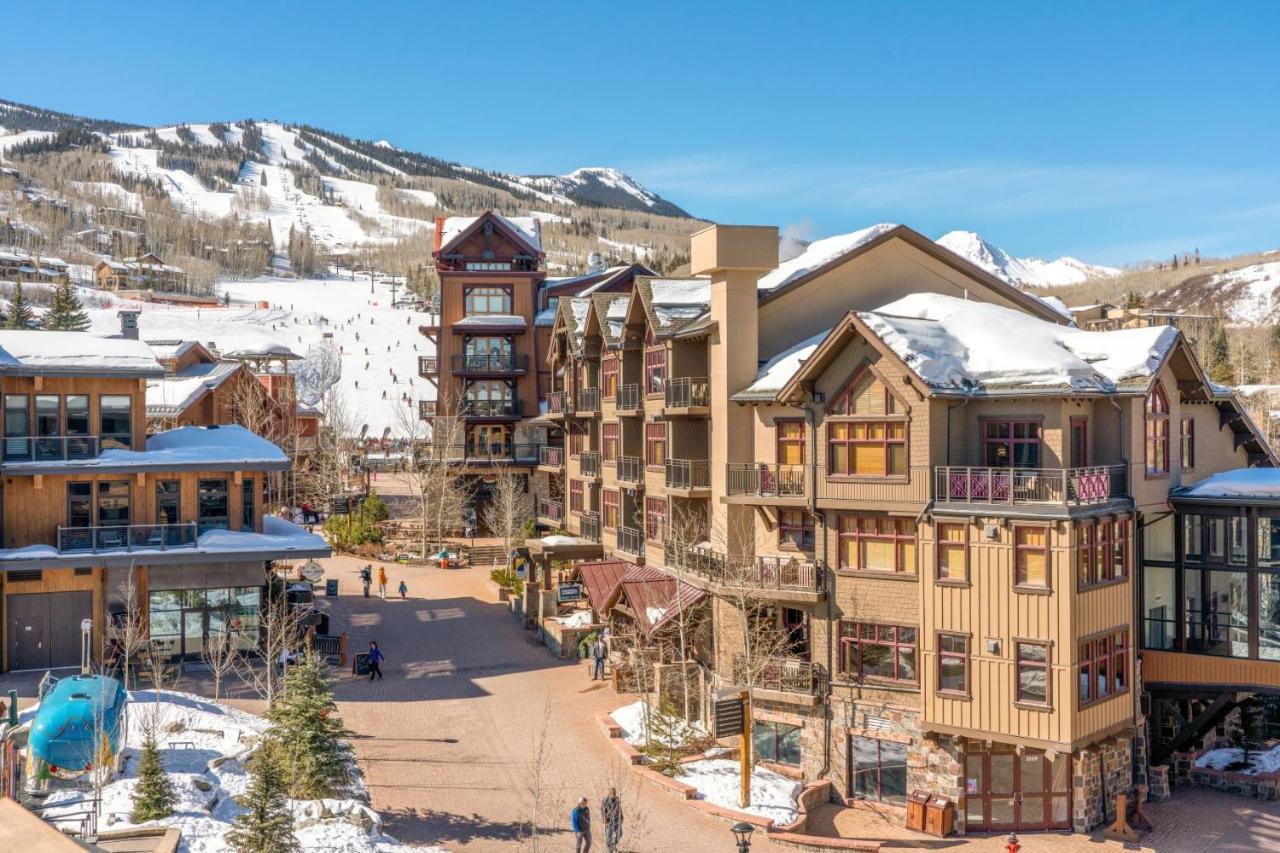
(1079, 442)
(488, 353)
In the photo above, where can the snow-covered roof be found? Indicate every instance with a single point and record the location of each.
(174, 394)
(545, 317)
(526, 227)
(261, 348)
(819, 253)
(673, 303)
(513, 320)
(74, 353)
(777, 371)
(190, 448)
(172, 349)
(1242, 483)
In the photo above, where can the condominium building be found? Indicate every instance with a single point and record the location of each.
(937, 525)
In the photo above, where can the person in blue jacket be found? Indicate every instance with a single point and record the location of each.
(375, 661)
(581, 820)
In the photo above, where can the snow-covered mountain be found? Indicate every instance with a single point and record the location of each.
(1021, 271)
(1246, 296)
(603, 186)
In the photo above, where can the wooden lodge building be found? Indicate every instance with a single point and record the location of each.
(145, 272)
(90, 497)
(995, 557)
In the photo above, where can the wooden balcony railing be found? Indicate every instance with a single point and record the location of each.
(591, 526)
(629, 398)
(688, 392)
(631, 540)
(428, 366)
(766, 479)
(589, 463)
(128, 537)
(551, 456)
(50, 448)
(588, 399)
(631, 469)
(769, 572)
(789, 675)
(555, 402)
(551, 510)
(1096, 484)
(688, 474)
(426, 409)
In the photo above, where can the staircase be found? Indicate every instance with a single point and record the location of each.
(1205, 717)
(487, 555)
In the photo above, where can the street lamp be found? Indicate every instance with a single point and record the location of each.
(742, 832)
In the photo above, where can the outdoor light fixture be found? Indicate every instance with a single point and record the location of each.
(742, 832)
(86, 645)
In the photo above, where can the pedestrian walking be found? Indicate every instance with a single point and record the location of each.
(611, 812)
(581, 820)
(404, 590)
(382, 581)
(599, 651)
(375, 661)
(366, 578)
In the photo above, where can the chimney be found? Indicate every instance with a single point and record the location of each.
(595, 263)
(734, 256)
(128, 323)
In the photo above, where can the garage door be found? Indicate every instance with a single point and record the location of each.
(44, 628)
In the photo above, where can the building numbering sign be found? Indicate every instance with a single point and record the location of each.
(729, 716)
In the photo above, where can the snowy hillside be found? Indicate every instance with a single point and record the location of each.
(1248, 296)
(603, 186)
(1023, 271)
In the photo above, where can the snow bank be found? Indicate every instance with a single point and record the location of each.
(635, 729)
(1259, 762)
(773, 795)
(577, 619)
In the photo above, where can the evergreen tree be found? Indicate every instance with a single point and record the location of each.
(66, 314)
(20, 315)
(312, 744)
(1220, 369)
(1133, 299)
(153, 797)
(267, 825)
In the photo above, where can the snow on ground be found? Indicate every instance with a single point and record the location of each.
(576, 619)
(631, 719)
(196, 734)
(114, 193)
(718, 781)
(9, 140)
(625, 248)
(1266, 761)
(301, 313)
(1254, 287)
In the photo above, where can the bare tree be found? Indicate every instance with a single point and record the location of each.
(280, 630)
(510, 507)
(543, 797)
(329, 474)
(438, 490)
(129, 635)
(220, 656)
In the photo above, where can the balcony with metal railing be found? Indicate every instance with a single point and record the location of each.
(1060, 487)
(630, 469)
(782, 574)
(489, 364)
(50, 448)
(588, 401)
(780, 675)
(687, 395)
(590, 526)
(629, 400)
(551, 456)
(480, 452)
(490, 408)
(769, 481)
(631, 541)
(550, 513)
(127, 537)
(428, 366)
(689, 476)
(589, 463)
(556, 404)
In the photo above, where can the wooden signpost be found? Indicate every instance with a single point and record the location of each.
(733, 719)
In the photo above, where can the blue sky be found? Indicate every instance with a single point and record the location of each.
(1113, 132)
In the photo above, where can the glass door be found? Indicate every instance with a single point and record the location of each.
(1007, 791)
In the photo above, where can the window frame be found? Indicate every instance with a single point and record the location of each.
(852, 440)
(1156, 429)
(776, 738)
(492, 291)
(1020, 663)
(248, 503)
(610, 501)
(576, 492)
(655, 519)
(965, 658)
(653, 460)
(124, 440)
(610, 442)
(856, 642)
(1187, 442)
(1020, 583)
(855, 770)
(782, 440)
(609, 368)
(202, 523)
(896, 539)
(655, 371)
(941, 545)
(1113, 647)
(1012, 441)
(808, 539)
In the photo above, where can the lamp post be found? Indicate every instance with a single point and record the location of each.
(86, 645)
(742, 833)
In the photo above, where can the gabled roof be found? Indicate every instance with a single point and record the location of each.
(656, 598)
(603, 580)
(524, 230)
(30, 353)
(611, 315)
(172, 395)
(671, 304)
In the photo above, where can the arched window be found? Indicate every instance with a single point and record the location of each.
(1157, 430)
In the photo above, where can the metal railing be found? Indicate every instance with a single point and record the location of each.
(631, 469)
(766, 479)
(480, 451)
(588, 399)
(128, 537)
(491, 408)
(769, 572)
(1059, 486)
(426, 409)
(591, 526)
(507, 362)
(428, 365)
(629, 398)
(631, 540)
(789, 675)
(551, 510)
(688, 474)
(50, 448)
(551, 457)
(589, 463)
(687, 392)
(555, 402)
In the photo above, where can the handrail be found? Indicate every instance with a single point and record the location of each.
(589, 463)
(631, 469)
(784, 674)
(588, 399)
(629, 398)
(590, 526)
(491, 408)
(553, 510)
(509, 362)
(552, 456)
(428, 365)
(784, 572)
(688, 474)
(128, 537)
(555, 402)
(1083, 486)
(631, 541)
(765, 479)
(688, 391)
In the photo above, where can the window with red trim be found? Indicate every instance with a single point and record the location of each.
(1104, 667)
(1102, 551)
(1031, 556)
(575, 496)
(877, 543)
(655, 370)
(884, 652)
(1011, 443)
(1187, 443)
(795, 526)
(655, 519)
(655, 445)
(609, 442)
(790, 436)
(953, 551)
(609, 508)
(866, 430)
(1157, 430)
(575, 440)
(953, 663)
(1032, 673)
(609, 378)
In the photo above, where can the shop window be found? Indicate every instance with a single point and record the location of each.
(776, 742)
(884, 652)
(877, 543)
(878, 769)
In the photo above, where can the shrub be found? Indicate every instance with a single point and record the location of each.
(345, 533)
(508, 580)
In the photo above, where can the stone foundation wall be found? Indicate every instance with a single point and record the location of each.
(1099, 772)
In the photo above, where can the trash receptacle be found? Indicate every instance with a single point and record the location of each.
(916, 804)
(939, 816)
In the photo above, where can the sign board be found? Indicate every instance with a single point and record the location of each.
(331, 587)
(340, 506)
(567, 592)
(729, 716)
(360, 664)
(312, 571)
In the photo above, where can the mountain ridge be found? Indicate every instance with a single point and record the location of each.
(1026, 272)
